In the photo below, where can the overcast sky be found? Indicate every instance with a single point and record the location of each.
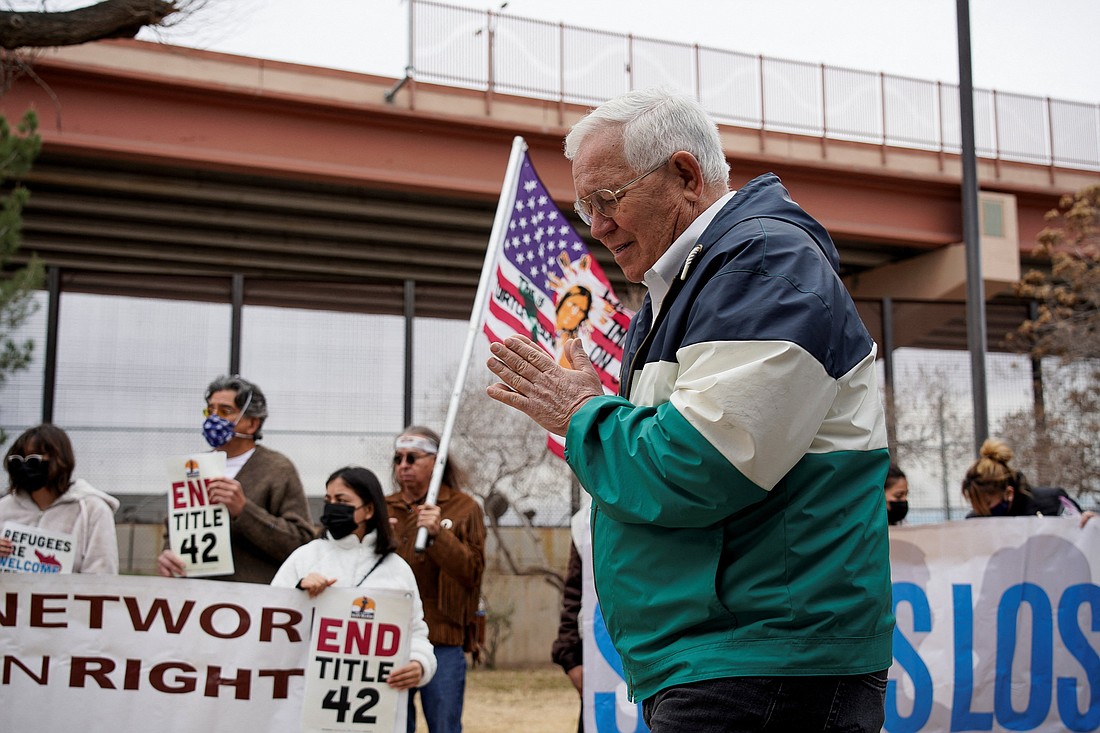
(1041, 48)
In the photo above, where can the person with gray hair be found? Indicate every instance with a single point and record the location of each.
(740, 545)
(269, 514)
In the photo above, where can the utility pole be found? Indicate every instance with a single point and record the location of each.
(975, 287)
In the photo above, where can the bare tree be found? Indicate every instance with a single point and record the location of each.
(96, 22)
(933, 430)
(1061, 450)
(515, 475)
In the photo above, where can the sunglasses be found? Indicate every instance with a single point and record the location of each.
(408, 458)
(33, 461)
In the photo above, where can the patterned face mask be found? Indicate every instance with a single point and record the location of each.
(218, 431)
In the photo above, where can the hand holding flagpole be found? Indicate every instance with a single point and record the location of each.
(496, 240)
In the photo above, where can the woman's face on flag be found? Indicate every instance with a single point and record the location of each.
(573, 311)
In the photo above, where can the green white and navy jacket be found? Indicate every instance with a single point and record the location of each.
(738, 524)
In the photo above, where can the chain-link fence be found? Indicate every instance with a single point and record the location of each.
(131, 373)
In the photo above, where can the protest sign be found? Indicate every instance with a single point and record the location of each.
(357, 640)
(198, 531)
(998, 626)
(998, 629)
(36, 550)
(128, 654)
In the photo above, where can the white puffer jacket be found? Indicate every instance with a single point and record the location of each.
(349, 561)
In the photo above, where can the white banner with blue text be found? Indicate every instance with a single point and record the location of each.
(998, 626)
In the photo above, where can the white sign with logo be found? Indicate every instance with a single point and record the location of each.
(37, 550)
(358, 639)
(198, 531)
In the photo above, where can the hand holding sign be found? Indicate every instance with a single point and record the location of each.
(200, 504)
(315, 583)
(227, 491)
(406, 676)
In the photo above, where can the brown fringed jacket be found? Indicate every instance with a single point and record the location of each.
(449, 571)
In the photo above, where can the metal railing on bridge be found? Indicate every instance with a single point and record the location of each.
(506, 54)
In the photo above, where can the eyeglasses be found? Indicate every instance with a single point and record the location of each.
(33, 461)
(220, 411)
(408, 458)
(604, 201)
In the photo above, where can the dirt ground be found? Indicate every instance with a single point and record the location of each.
(532, 700)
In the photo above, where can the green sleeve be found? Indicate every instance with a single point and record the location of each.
(649, 465)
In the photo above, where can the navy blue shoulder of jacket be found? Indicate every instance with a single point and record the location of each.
(766, 196)
(767, 272)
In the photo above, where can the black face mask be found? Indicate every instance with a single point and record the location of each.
(896, 511)
(339, 520)
(29, 478)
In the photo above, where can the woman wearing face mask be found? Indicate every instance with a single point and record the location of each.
(897, 495)
(357, 550)
(997, 490)
(42, 494)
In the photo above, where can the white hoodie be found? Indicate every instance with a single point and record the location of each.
(83, 511)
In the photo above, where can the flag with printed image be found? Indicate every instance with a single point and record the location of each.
(546, 285)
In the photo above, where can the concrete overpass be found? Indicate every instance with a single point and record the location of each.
(167, 170)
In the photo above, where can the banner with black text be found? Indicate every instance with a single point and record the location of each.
(129, 653)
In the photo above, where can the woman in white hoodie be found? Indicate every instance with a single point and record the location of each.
(358, 551)
(42, 494)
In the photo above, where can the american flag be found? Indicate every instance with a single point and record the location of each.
(547, 285)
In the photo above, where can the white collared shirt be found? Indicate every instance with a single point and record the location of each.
(659, 278)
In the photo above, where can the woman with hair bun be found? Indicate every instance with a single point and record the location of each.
(995, 489)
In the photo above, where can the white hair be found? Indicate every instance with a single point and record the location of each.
(656, 123)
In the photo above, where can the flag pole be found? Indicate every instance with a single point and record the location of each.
(496, 240)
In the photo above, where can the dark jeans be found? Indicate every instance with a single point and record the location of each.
(846, 704)
(442, 697)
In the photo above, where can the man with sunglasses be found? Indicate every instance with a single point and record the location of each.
(448, 572)
(740, 549)
(269, 515)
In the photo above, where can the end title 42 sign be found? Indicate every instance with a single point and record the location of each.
(198, 531)
(356, 643)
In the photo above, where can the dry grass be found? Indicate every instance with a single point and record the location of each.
(529, 700)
